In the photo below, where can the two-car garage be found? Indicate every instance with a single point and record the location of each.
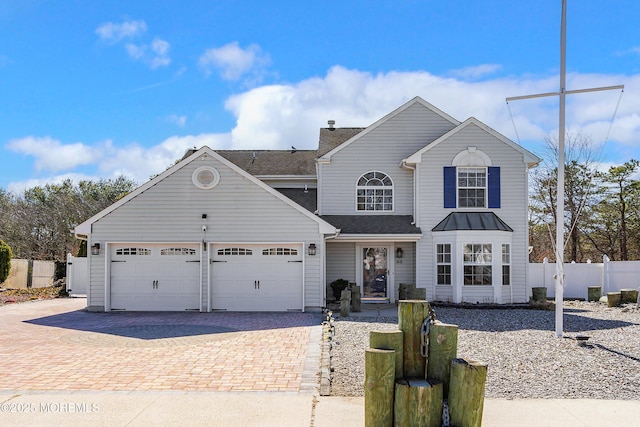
(240, 277)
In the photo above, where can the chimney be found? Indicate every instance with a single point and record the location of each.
(331, 123)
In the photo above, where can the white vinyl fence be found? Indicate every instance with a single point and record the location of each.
(611, 276)
(77, 275)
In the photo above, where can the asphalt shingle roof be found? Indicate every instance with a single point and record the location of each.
(331, 138)
(373, 224)
(273, 162)
(286, 162)
(307, 199)
(482, 221)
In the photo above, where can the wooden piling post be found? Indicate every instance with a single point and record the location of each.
(539, 294)
(379, 383)
(411, 315)
(418, 403)
(389, 340)
(613, 299)
(355, 298)
(402, 291)
(443, 348)
(593, 293)
(466, 392)
(628, 295)
(345, 303)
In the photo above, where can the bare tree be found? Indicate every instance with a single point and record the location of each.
(580, 195)
(37, 224)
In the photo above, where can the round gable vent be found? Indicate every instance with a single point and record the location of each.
(205, 177)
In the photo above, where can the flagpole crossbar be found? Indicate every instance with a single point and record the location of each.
(567, 92)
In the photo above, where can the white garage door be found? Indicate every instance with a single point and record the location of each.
(256, 277)
(158, 277)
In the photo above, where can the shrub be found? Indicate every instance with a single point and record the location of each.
(60, 271)
(338, 286)
(5, 261)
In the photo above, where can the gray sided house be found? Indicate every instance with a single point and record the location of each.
(416, 198)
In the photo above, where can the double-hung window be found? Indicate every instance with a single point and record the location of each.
(374, 192)
(472, 187)
(506, 264)
(443, 263)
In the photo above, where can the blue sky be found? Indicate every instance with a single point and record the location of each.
(94, 89)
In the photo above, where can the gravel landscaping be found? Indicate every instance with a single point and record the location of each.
(525, 358)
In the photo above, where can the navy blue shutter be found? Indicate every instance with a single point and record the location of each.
(449, 187)
(493, 182)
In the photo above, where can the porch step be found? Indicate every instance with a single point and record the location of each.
(375, 300)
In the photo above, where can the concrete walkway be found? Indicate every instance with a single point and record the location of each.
(266, 409)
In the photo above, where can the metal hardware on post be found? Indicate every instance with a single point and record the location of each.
(424, 337)
(446, 419)
(424, 332)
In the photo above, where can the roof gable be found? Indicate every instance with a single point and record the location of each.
(531, 159)
(85, 227)
(417, 100)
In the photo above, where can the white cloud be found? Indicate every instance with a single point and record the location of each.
(20, 186)
(177, 120)
(160, 57)
(109, 161)
(234, 62)
(140, 163)
(476, 71)
(279, 116)
(52, 155)
(155, 55)
(113, 33)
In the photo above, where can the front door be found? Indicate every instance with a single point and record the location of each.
(375, 272)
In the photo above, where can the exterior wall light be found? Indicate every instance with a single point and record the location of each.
(95, 248)
(399, 253)
(312, 249)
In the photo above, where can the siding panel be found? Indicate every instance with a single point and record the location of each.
(237, 211)
(381, 149)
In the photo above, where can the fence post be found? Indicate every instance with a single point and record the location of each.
(605, 274)
(69, 280)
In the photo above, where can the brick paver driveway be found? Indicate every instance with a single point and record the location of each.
(55, 345)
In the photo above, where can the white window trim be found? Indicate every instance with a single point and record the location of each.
(480, 264)
(202, 186)
(458, 239)
(503, 263)
(450, 263)
(364, 187)
(471, 157)
(486, 187)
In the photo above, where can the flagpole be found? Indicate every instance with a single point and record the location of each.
(559, 277)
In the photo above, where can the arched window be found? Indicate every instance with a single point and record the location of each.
(374, 192)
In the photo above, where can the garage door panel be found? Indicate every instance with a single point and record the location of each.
(154, 278)
(265, 280)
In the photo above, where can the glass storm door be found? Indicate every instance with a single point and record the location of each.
(374, 272)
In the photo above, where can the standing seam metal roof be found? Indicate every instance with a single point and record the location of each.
(482, 221)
